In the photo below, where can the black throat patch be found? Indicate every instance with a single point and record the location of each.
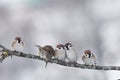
(67, 48)
(89, 55)
(19, 40)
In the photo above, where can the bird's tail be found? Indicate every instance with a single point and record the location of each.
(38, 46)
(46, 61)
(46, 64)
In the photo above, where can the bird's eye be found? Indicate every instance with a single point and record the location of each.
(86, 55)
(59, 48)
(70, 46)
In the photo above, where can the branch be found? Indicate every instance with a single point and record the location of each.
(6, 53)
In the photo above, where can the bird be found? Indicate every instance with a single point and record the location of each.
(46, 52)
(89, 58)
(60, 52)
(71, 55)
(18, 44)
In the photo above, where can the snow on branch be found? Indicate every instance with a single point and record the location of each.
(7, 53)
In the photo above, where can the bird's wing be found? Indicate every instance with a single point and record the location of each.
(94, 56)
(56, 53)
(83, 57)
(50, 50)
(13, 44)
(23, 43)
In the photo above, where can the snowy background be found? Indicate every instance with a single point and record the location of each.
(87, 24)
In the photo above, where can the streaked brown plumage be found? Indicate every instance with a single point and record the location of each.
(46, 51)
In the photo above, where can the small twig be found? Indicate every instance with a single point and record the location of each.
(1, 58)
(2, 47)
(4, 54)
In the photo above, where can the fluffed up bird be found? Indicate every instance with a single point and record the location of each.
(18, 44)
(60, 52)
(70, 53)
(89, 58)
(46, 52)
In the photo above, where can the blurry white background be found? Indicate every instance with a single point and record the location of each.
(87, 24)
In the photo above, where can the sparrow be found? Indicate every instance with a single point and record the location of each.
(18, 44)
(70, 53)
(46, 52)
(60, 52)
(89, 58)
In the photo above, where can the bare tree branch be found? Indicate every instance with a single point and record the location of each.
(6, 53)
(2, 47)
